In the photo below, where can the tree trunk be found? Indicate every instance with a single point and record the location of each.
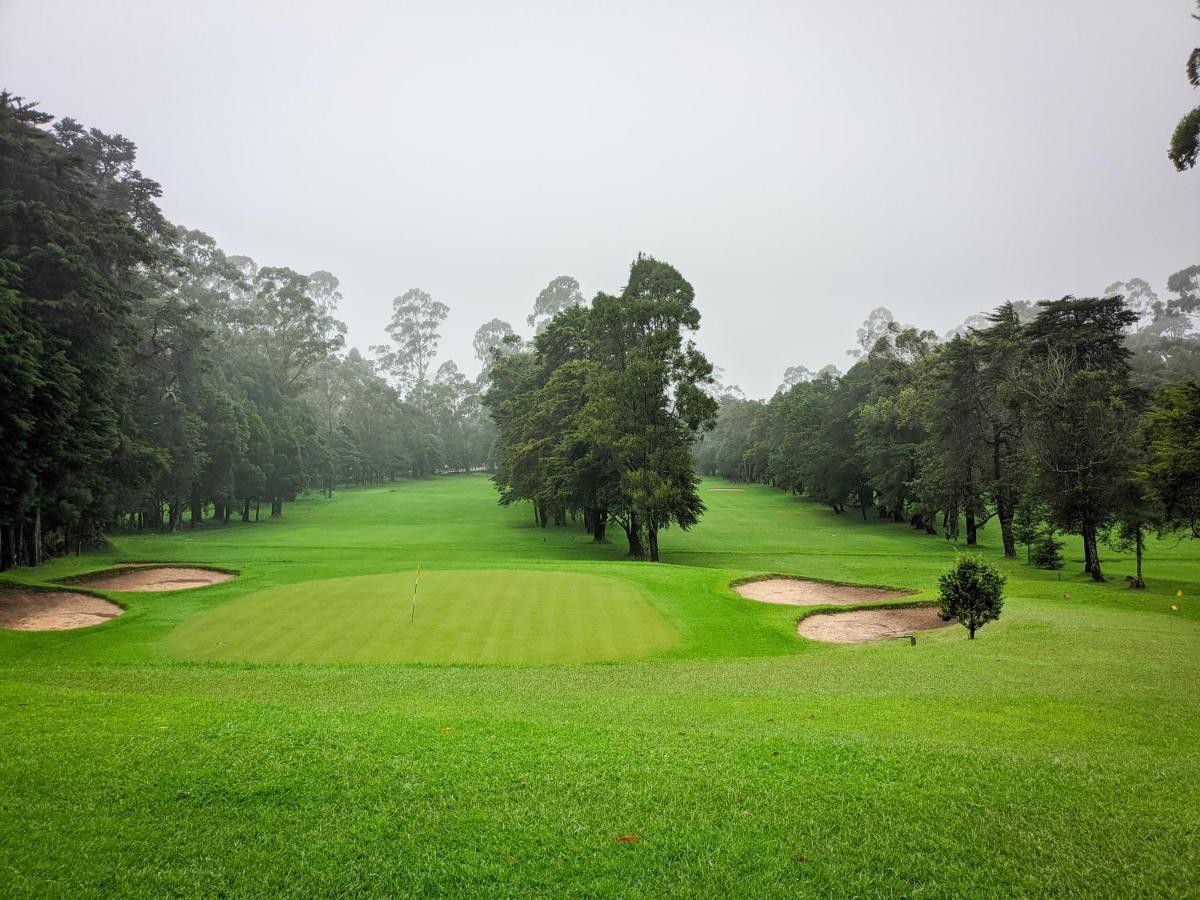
(197, 510)
(6, 547)
(257, 506)
(1139, 544)
(652, 534)
(37, 535)
(1091, 555)
(599, 525)
(971, 632)
(634, 536)
(1004, 504)
(972, 531)
(276, 507)
(246, 510)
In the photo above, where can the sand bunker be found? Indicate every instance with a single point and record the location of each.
(155, 578)
(53, 610)
(861, 625)
(800, 592)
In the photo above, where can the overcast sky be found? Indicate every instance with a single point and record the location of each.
(799, 162)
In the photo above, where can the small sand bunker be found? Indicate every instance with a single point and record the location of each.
(155, 578)
(860, 625)
(801, 592)
(53, 610)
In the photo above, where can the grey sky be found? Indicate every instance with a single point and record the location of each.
(799, 162)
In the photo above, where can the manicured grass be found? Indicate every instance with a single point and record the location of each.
(478, 616)
(1058, 753)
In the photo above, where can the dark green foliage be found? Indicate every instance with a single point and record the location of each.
(1185, 142)
(149, 380)
(600, 418)
(1045, 551)
(971, 592)
(1173, 456)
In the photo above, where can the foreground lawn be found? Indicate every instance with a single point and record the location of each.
(1056, 754)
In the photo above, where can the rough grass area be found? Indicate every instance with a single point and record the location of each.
(1059, 753)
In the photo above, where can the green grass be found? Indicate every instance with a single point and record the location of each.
(478, 616)
(1058, 753)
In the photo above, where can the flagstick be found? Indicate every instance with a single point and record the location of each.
(417, 581)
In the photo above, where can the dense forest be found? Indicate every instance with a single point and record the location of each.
(150, 380)
(1079, 415)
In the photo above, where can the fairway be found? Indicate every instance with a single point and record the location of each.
(488, 616)
(301, 736)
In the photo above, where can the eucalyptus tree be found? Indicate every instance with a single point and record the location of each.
(494, 336)
(560, 294)
(415, 333)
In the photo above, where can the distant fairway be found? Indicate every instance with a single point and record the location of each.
(487, 616)
(290, 733)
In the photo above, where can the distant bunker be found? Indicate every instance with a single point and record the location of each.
(153, 578)
(862, 625)
(32, 610)
(802, 592)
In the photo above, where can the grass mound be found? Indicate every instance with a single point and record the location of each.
(477, 616)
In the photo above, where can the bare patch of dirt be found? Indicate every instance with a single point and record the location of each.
(155, 578)
(801, 592)
(53, 610)
(861, 625)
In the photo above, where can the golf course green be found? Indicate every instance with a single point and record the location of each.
(552, 719)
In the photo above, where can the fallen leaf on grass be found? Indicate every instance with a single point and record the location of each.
(627, 838)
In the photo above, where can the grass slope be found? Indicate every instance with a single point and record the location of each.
(1057, 753)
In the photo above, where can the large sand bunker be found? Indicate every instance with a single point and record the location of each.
(801, 592)
(29, 610)
(154, 578)
(860, 625)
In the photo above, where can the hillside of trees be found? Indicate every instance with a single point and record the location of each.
(1079, 416)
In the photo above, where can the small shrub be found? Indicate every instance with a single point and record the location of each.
(972, 592)
(1047, 553)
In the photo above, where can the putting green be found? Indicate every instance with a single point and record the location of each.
(484, 616)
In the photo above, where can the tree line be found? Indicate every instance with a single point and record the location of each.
(1079, 415)
(151, 380)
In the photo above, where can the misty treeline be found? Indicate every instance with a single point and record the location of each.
(149, 380)
(598, 418)
(1079, 415)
